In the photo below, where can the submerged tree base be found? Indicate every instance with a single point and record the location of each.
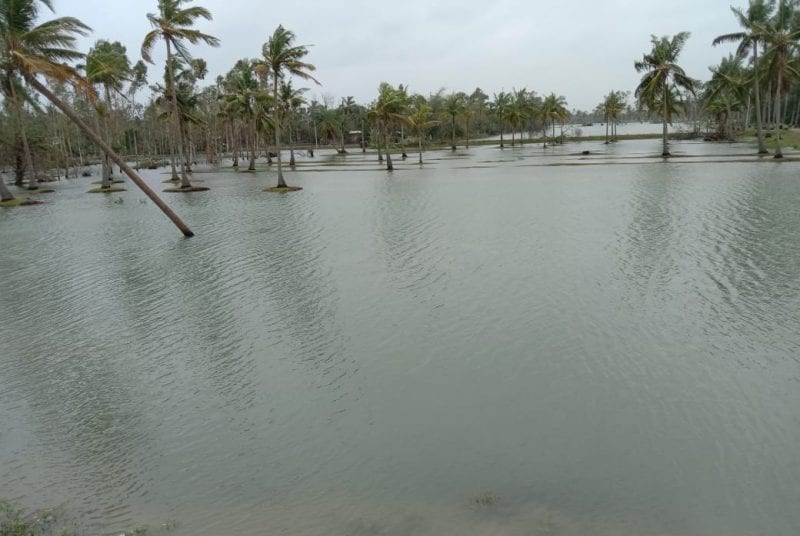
(113, 181)
(111, 190)
(19, 202)
(187, 189)
(283, 189)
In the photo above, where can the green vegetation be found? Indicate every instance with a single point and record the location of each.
(19, 202)
(106, 190)
(485, 499)
(56, 522)
(255, 109)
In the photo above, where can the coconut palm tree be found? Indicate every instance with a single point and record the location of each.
(612, 106)
(663, 79)
(30, 50)
(454, 106)
(107, 65)
(386, 113)
(420, 120)
(521, 111)
(752, 22)
(174, 24)
(281, 58)
(500, 106)
(781, 34)
(554, 108)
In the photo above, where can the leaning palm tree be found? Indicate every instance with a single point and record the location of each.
(29, 50)
(282, 57)
(663, 78)
(174, 24)
(752, 22)
(781, 35)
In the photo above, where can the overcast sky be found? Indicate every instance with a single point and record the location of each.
(581, 49)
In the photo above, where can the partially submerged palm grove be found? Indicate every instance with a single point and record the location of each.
(99, 108)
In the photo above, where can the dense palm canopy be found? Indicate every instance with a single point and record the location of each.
(781, 34)
(30, 49)
(254, 109)
(726, 92)
(749, 39)
(660, 88)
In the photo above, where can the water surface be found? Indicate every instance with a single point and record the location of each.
(526, 341)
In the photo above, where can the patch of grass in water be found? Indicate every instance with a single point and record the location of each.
(485, 500)
(110, 190)
(19, 202)
(187, 190)
(283, 189)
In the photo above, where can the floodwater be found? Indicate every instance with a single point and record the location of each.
(506, 342)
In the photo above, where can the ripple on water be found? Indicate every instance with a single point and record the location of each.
(372, 354)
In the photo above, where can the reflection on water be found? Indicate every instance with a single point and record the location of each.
(493, 343)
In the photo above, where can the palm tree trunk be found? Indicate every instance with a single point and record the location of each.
(606, 128)
(105, 181)
(281, 182)
(58, 103)
(253, 150)
(292, 161)
(419, 140)
(762, 148)
(176, 118)
(389, 165)
(234, 145)
(778, 152)
(665, 146)
(502, 146)
(6, 195)
(32, 183)
(453, 138)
